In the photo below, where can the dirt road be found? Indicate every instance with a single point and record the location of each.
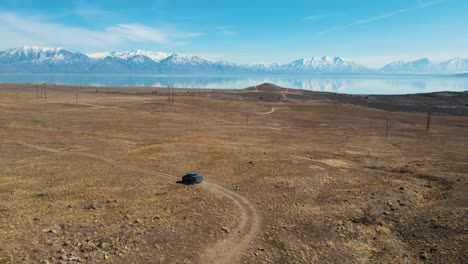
(229, 250)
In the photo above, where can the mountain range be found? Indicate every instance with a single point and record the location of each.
(60, 60)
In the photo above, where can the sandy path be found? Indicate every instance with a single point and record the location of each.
(101, 106)
(231, 249)
(228, 250)
(273, 109)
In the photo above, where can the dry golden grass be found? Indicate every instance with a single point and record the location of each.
(328, 186)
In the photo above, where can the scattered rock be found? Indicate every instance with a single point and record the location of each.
(225, 229)
(91, 207)
(423, 256)
(55, 248)
(73, 258)
(49, 230)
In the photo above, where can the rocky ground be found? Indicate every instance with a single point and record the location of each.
(291, 177)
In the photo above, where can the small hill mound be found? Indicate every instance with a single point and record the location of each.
(267, 87)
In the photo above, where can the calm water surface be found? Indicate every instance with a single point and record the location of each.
(330, 83)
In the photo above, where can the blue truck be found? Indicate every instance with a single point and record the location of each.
(192, 178)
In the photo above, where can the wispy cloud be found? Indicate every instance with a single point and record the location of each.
(17, 29)
(200, 17)
(227, 30)
(137, 33)
(317, 17)
(378, 17)
(88, 11)
(189, 34)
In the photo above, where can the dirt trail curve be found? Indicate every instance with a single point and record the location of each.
(230, 249)
(273, 109)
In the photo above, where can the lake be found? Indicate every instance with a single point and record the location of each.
(350, 84)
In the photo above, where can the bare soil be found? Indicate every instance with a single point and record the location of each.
(291, 176)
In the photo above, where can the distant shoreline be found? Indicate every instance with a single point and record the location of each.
(462, 75)
(348, 84)
(441, 103)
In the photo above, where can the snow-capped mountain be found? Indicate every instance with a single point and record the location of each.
(60, 60)
(177, 63)
(153, 55)
(393, 67)
(323, 65)
(456, 65)
(420, 66)
(37, 54)
(264, 67)
(425, 66)
(37, 59)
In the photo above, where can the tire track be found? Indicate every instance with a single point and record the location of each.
(228, 250)
(273, 109)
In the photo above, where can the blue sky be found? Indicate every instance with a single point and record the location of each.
(370, 32)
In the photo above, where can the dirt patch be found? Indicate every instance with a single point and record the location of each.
(335, 163)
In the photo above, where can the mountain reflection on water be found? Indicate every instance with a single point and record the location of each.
(353, 84)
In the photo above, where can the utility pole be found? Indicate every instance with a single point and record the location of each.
(428, 123)
(386, 131)
(169, 94)
(76, 96)
(17, 93)
(172, 95)
(45, 91)
(162, 107)
(37, 91)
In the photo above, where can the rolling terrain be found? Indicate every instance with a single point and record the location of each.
(292, 176)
